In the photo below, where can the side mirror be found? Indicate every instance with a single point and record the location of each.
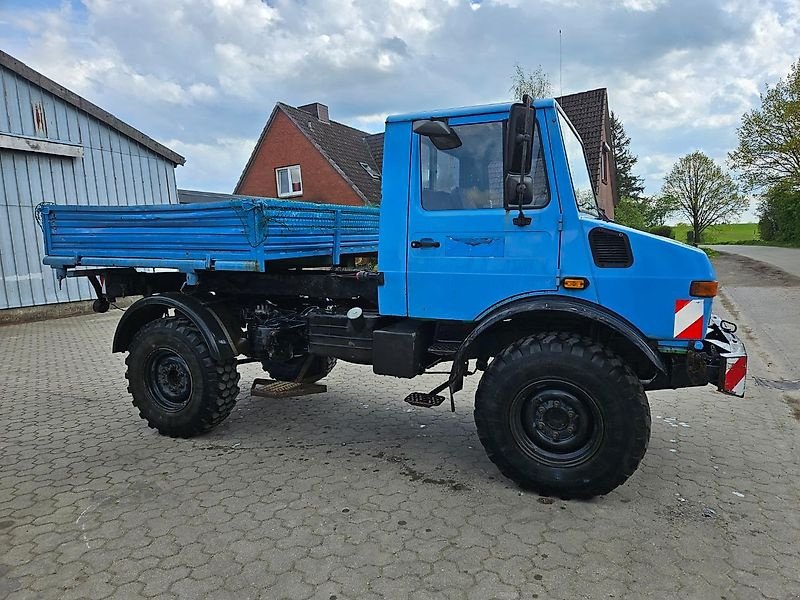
(512, 185)
(518, 184)
(440, 133)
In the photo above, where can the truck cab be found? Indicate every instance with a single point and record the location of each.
(452, 228)
(493, 257)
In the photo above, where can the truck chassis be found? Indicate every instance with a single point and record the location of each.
(560, 408)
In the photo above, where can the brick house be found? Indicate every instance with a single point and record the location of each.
(303, 155)
(588, 112)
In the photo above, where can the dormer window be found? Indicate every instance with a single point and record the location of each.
(370, 171)
(289, 181)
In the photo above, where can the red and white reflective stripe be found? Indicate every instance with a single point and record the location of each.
(735, 375)
(689, 320)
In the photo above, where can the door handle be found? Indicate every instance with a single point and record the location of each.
(425, 243)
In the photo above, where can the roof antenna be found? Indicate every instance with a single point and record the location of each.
(560, 77)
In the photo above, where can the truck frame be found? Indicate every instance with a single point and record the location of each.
(492, 256)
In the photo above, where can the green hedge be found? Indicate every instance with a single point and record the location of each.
(779, 214)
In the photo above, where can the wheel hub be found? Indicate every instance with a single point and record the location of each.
(557, 422)
(554, 418)
(169, 380)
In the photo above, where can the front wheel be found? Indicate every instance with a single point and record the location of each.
(560, 414)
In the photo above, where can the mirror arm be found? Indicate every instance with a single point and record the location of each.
(521, 220)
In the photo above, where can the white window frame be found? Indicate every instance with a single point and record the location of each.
(288, 169)
(605, 161)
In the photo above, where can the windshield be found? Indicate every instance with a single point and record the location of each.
(576, 158)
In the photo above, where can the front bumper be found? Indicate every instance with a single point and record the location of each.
(726, 357)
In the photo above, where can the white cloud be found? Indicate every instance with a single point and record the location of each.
(370, 122)
(212, 162)
(206, 73)
(642, 5)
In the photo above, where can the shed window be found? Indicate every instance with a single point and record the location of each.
(290, 183)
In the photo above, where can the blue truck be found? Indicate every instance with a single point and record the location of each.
(492, 257)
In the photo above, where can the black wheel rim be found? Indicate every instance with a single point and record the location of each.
(169, 380)
(556, 422)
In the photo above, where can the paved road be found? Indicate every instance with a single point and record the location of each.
(353, 494)
(786, 259)
(766, 301)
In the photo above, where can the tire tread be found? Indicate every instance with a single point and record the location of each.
(223, 377)
(581, 346)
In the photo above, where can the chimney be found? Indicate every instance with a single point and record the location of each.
(320, 111)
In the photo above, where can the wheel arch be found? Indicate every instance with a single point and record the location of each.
(507, 323)
(222, 341)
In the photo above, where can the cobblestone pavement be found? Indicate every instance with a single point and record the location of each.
(353, 494)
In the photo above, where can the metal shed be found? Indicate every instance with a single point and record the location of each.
(58, 147)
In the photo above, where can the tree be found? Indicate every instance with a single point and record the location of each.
(628, 184)
(703, 193)
(630, 212)
(769, 136)
(658, 209)
(779, 214)
(645, 213)
(536, 83)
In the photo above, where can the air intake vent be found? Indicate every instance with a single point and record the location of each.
(610, 248)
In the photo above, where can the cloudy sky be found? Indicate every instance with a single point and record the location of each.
(201, 76)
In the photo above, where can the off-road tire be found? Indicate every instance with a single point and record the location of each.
(179, 347)
(291, 370)
(543, 377)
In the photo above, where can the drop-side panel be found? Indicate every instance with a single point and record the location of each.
(236, 235)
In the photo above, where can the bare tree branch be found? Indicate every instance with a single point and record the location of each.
(536, 83)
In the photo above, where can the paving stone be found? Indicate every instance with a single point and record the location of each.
(322, 497)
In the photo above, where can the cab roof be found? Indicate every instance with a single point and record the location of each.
(465, 111)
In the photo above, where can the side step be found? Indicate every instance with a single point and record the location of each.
(444, 348)
(425, 400)
(430, 399)
(269, 388)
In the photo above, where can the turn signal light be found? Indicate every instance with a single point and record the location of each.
(575, 283)
(704, 289)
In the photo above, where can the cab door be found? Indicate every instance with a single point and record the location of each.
(464, 254)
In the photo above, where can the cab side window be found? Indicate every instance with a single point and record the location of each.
(467, 177)
(471, 176)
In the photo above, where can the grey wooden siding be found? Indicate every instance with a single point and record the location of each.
(115, 170)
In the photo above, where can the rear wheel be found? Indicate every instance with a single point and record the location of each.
(303, 369)
(178, 387)
(562, 415)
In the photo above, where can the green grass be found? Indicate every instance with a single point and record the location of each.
(722, 234)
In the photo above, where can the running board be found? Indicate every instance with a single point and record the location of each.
(269, 388)
(424, 400)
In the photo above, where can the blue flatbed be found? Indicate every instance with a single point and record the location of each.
(241, 234)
